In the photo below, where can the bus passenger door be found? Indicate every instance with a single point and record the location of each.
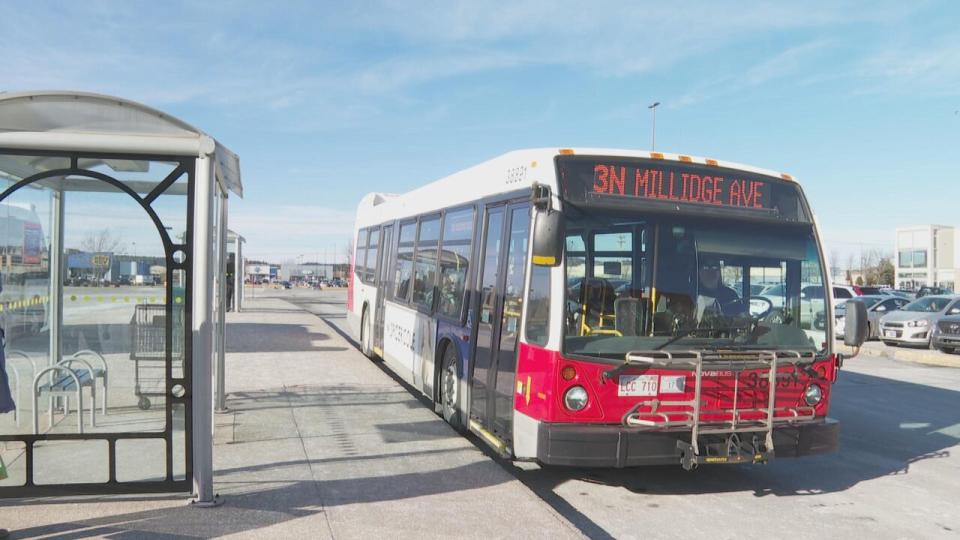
(511, 283)
(487, 314)
(383, 279)
(501, 292)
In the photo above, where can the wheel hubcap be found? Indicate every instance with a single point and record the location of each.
(449, 387)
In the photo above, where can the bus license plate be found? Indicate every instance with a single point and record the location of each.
(638, 385)
(672, 384)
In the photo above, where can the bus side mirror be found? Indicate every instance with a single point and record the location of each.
(547, 248)
(855, 324)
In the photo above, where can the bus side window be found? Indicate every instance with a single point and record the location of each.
(454, 260)
(404, 269)
(360, 255)
(425, 265)
(538, 307)
(373, 239)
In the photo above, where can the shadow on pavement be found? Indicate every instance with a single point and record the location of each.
(886, 426)
(244, 512)
(266, 338)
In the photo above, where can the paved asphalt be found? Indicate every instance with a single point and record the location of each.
(321, 443)
(897, 474)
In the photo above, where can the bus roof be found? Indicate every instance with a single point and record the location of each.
(512, 171)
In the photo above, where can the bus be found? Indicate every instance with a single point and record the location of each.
(609, 308)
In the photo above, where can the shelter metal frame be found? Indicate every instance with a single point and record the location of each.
(187, 166)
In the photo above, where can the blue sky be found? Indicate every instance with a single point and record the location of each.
(327, 101)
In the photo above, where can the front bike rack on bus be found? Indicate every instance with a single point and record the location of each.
(732, 425)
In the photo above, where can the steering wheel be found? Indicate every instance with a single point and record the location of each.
(766, 307)
(774, 316)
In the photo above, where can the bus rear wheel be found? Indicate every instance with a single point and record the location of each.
(450, 389)
(366, 335)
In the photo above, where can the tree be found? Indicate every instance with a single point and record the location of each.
(834, 263)
(887, 272)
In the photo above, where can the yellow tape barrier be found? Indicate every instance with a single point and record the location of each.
(40, 300)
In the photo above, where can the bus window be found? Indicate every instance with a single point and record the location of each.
(613, 258)
(361, 254)
(371, 266)
(538, 306)
(425, 269)
(404, 269)
(455, 260)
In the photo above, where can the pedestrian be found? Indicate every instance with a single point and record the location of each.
(6, 399)
(6, 405)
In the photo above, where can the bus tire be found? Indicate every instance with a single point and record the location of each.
(366, 335)
(450, 398)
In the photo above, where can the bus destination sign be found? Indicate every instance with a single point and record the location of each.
(659, 185)
(676, 184)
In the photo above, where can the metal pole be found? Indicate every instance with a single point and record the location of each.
(203, 326)
(55, 261)
(238, 268)
(653, 130)
(221, 333)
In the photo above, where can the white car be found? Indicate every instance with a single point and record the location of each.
(812, 313)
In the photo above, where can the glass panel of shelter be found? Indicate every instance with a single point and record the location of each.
(120, 306)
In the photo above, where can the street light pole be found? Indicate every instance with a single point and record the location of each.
(653, 129)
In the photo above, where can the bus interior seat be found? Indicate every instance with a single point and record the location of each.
(597, 298)
(627, 314)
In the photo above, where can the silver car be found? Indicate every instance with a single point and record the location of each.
(877, 306)
(912, 324)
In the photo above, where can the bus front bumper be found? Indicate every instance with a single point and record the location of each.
(584, 445)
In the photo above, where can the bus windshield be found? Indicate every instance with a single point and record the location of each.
(690, 284)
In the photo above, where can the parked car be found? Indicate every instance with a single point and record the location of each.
(877, 305)
(912, 324)
(946, 334)
(897, 293)
(844, 292)
(927, 291)
(906, 293)
(812, 314)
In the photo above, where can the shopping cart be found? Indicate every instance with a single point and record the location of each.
(148, 329)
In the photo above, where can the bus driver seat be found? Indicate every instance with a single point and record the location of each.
(597, 313)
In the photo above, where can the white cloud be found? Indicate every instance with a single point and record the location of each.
(329, 64)
(915, 69)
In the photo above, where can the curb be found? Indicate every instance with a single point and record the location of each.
(916, 356)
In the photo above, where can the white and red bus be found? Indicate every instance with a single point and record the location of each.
(610, 308)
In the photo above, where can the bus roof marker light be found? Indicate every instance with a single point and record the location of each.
(712, 162)
(565, 151)
(686, 159)
(786, 176)
(656, 155)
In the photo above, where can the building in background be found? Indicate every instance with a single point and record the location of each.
(260, 272)
(926, 256)
(310, 272)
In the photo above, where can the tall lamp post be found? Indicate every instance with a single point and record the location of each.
(653, 130)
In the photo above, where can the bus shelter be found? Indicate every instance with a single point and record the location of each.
(113, 227)
(235, 266)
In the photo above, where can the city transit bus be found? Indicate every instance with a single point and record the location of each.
(606, 308)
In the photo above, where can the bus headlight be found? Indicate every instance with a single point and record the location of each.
(813, 394)
(576, 398)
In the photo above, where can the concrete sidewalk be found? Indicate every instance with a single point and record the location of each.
(319, 442)
(916, 355)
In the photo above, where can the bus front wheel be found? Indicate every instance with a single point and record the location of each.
(366, 335)
(450, 389)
